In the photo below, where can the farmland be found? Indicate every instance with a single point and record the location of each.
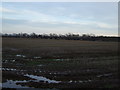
(49, 63)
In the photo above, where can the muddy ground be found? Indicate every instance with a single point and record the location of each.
(57, 64)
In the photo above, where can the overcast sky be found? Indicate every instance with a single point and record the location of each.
(60, 17)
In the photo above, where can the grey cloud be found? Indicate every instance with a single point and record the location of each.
(13, 21)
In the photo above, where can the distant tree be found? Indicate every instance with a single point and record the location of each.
(68, 36)
(33, 35)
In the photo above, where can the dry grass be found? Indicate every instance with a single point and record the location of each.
(65, 48)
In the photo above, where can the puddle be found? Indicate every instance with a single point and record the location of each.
(7, 61)
(4, 61)
(18, 55)
(13, 49)
(37, 57)
(12, 84)
(9, 69)
(105, 75)
(40, 65)
(58, 59)
(13, 60)
(84, 81)
(61, 59)
(41, 78)
(19, 64)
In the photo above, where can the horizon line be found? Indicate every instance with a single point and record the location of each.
(92, 34)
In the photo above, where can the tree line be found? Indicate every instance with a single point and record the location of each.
(69, 36)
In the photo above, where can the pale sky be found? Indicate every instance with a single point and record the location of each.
(99, 18)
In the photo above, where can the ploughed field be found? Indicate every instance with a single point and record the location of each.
(47, 63)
